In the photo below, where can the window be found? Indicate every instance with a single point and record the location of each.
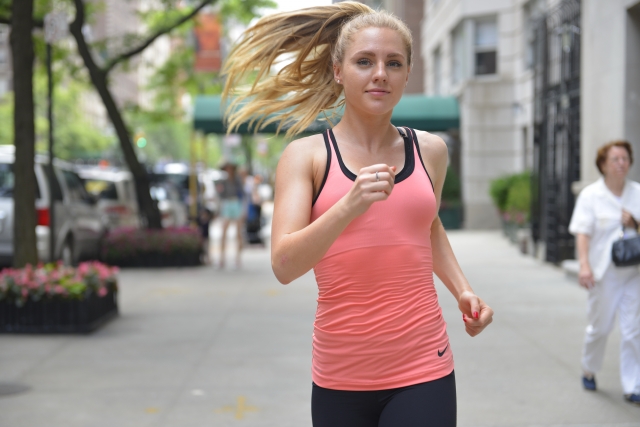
(531, 13)
(7, 180)
(437, 72)
(57, 191)
(105, 190)
(77, 192)
(458, 54)
(485, 46)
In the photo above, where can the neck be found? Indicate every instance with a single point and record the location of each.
(615, 184)
(370, 131)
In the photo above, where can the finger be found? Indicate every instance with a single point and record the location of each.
(486, 315)
(375, 186)
(382, 176)
(469, 304)
(475, 307)
(377, 168)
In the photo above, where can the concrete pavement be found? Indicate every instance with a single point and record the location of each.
(204, 347)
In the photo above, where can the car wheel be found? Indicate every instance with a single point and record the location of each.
(67, 254)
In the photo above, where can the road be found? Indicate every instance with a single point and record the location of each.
(205, 347)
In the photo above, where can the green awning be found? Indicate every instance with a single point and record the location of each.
(433, 114)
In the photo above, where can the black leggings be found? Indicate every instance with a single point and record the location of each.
(421, 405)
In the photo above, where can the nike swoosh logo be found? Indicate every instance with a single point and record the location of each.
(440, 353)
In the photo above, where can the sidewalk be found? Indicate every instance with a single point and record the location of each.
(203, 347)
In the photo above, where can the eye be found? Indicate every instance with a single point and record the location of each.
(395, 64)
(363, 61)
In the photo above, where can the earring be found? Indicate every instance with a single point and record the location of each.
(338, 81)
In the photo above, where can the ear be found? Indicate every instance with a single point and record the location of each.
(337, 72)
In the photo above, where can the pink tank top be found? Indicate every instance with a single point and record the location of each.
(378, 323)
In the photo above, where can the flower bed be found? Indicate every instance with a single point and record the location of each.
(54, 298)
(171, 247)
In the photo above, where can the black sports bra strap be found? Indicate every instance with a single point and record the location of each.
(414, 137)
(328, 165)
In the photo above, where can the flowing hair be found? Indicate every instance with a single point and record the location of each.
(315, 38)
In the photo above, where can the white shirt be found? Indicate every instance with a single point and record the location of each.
(598, 214)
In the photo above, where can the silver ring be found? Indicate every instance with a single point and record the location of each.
(377, 178)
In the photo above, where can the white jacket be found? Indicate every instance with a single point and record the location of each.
(598, 214)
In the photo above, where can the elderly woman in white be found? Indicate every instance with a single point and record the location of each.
(602, 210)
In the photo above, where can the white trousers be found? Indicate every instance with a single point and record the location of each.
(618, 291)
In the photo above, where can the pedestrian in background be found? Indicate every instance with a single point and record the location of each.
(254, 213)
(602, 210)
(204, 222)
(231, 193)
(358, 205)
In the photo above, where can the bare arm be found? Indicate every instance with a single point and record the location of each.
(585, 275)
(297, 244)
(475, 313)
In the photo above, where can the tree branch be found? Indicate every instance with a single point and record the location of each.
(148, 206)
(126, 55)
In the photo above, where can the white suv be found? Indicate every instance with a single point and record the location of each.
(79, 227)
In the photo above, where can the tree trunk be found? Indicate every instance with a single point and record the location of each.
(148, 207)
(24, 194)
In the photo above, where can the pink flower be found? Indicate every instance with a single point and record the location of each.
(102, 292)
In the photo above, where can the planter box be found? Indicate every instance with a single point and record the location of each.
(169, 247)
(451, 217)
(59, 315)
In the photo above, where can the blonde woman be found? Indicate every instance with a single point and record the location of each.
(358, 205)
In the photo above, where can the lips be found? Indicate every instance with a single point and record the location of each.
(377, 91)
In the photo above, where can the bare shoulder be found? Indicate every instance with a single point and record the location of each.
(305, 150)
(432, 146)
(304, 158)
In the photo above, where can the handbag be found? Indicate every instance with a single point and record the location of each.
(626, 252)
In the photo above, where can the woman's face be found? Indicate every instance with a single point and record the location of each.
(374, 70)
(617, 163)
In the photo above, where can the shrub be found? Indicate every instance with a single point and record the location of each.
(451, 188)
(56, 281)
(128, 247)
(499, 191)
(512, 196)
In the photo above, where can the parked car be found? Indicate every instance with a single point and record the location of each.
(79, 227)
(178, 175)
(115, 192)
(173, 211)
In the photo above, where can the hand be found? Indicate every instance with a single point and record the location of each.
(369, 188)
(628, 220)
(585, 277)
(475, 313)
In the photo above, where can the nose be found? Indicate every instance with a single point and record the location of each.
(380, 72)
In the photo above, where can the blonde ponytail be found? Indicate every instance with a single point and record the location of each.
(315, 37)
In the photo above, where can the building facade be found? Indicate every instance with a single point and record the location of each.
(610, 79)
(541, 85)
(482, 52)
